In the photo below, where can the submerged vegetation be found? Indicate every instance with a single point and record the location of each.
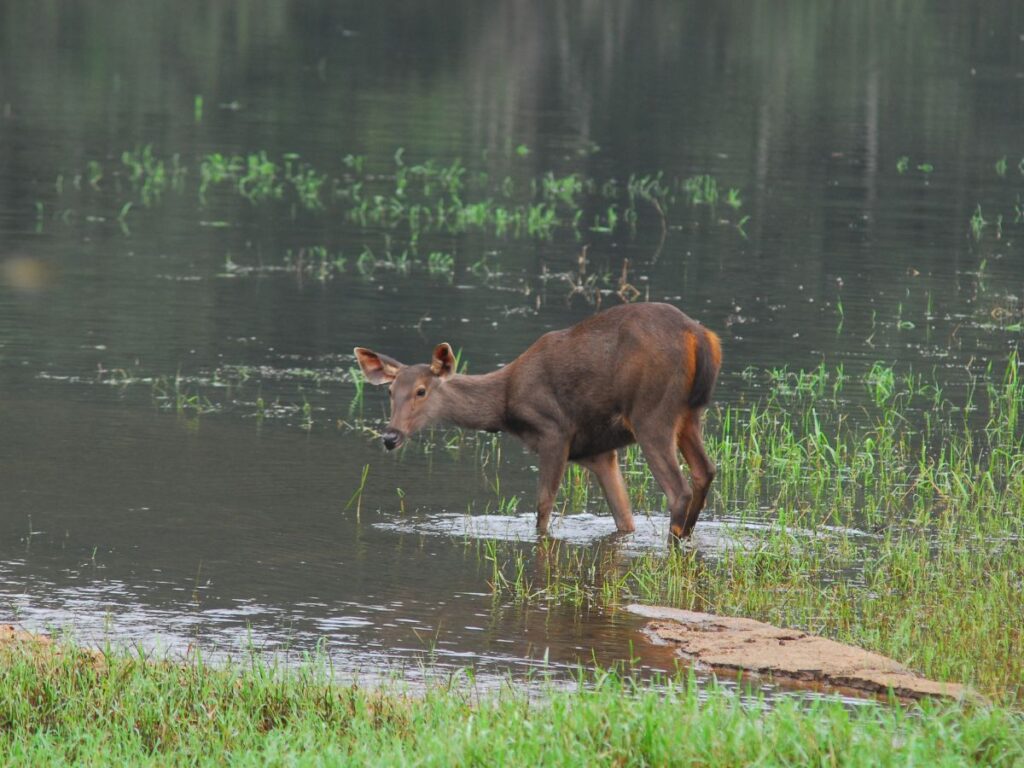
(59, 706)
(405, 199)
(982, 223)
(1009, 212)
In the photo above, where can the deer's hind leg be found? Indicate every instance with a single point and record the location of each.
(658, 442)
(606, 467)
(702, 469)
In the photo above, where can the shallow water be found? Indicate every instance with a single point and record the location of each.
(125, 519)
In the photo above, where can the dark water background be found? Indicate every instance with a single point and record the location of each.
(124, 519)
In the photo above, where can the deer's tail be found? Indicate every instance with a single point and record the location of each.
(705, 360)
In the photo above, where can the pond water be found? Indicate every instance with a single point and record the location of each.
(178, 461)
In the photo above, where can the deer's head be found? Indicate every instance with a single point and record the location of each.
(413, 389)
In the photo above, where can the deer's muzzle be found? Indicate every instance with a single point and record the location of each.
(392, 438)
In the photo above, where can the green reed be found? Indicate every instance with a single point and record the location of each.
(906, 540)
(414, 199)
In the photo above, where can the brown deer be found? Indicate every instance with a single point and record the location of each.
(636, 373)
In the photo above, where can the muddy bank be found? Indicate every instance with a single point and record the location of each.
(724, 643)
(10, 634)
(12, 639)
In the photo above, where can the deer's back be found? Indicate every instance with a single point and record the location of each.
(595, 380)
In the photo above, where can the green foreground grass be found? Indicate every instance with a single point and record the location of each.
(61, 706)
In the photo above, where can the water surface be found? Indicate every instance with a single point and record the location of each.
(124, 518)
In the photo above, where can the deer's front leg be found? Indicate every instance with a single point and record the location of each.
(606, 467)
(553, 456)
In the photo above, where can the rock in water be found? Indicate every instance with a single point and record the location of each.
(731, 643)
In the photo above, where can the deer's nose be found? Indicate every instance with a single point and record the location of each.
(392, 438)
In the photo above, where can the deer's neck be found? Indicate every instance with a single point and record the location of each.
(476, 402)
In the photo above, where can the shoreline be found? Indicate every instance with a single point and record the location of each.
(61, 704)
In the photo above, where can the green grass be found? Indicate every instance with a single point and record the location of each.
(409, 199)
(61, 707)
(901, 532)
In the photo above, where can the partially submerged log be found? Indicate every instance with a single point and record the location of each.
(725, 643)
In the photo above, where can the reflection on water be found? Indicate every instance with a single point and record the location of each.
(861, 139)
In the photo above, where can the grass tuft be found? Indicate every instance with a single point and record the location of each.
(57, 709)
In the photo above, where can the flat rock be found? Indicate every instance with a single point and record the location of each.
(738, 644)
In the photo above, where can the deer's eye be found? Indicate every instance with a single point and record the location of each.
(421, 392)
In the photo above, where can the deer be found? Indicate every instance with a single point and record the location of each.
(635, 373)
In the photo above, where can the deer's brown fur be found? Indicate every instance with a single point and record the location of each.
(637, 373)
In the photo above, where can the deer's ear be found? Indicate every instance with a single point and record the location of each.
(378, 369)
(443, 363)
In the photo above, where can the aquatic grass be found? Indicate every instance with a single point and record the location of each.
(431, 196)
(359, 382)
(903, 165)
(908, 542)
(149, 174)
(440, 263)
(216, 168)
(930, 606)
(260, 181)
(175, 392)
(306, 182)
(868, 504)
(702, 190)
(60, 706)
(315, 261)
(94, 174)
(357, 496)
(354, 162)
